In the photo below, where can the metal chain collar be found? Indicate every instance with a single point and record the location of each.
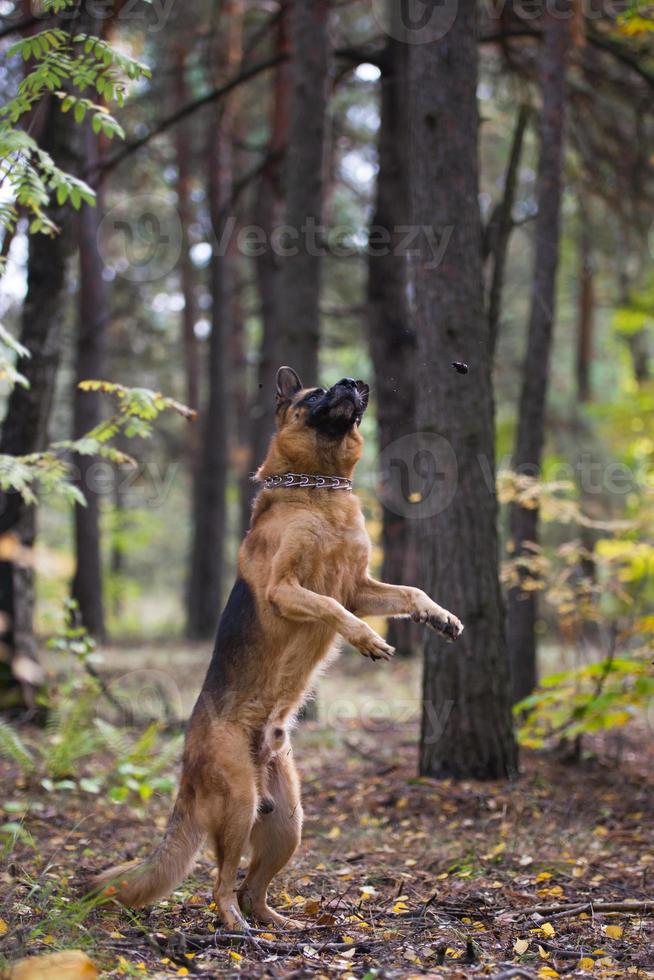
(310, 480)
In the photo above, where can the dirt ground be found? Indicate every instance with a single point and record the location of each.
(397, 876)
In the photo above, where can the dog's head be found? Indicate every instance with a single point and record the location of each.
(319, 426)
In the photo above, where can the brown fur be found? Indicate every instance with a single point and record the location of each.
(303, 582)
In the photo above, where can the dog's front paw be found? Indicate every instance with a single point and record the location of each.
(369, 644)
(439, 619)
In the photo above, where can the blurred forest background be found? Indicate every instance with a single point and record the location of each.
(356, 189)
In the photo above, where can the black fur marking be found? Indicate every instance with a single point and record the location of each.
(236, 637)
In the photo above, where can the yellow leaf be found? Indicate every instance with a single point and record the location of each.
(613, 932)
(183, 971)
(71, 963)
(521, 946)
(543, 876)
(548, 930)
(586, 963)
(334, 833)
(547, 971)
(400, 907)
(235, 956)
(4, 928)
(267, 935)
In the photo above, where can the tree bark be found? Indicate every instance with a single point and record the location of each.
(522, 604)
(501, 225)
(585, 314)
(299, 285)
(390, 331)
(93, 311)
(207, 565)
(183, 154)
(25, 426)
(206, 580)
(269, 207)
(466, 720)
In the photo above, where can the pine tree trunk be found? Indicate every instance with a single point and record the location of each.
(390, 331)
(299, 286)
(93, 312)
(585, 315)
(183, 154)
(205, 587)
(268, 209)
(500, 227)
(208, 547)
(25, 426)
(522, 605)
(466, 721)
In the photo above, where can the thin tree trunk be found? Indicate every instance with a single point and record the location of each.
(238, 398)
(390, 331)
(268, 209)
(501, 225)
(299, 292)
(25, 426)
(466, 721)
(531, 419)
(205, 587)
(183, 154)
(93, 309)
(586, 314)
(207, 557)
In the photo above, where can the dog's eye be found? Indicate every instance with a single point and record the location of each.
(315, 395)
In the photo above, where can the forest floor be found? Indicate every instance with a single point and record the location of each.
(396, 876)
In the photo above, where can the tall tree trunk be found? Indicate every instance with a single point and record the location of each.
(93, 311)
(205, 586)
(500, 226)
(299, 293)
(183, 155)
(466, 721)
(268, 209)
(25, 426)
(531, 414)
(207, 557)
(585, 313)
(390, 331)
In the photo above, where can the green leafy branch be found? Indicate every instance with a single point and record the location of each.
(39, 474)
(68, 68)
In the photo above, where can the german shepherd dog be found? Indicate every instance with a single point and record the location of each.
(302, 582)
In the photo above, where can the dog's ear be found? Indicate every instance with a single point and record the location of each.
(288, 384)
(364, 392)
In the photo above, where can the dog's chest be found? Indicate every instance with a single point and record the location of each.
(340, 559)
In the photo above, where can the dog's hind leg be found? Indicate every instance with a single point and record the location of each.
(230, 813)
(274, 839)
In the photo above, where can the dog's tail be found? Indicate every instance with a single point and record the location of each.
(157, 875)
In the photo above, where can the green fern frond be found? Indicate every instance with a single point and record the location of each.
(12, 747)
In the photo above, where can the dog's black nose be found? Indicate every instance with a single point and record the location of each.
(347, 382)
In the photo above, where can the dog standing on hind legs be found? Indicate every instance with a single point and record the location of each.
(302, 582)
